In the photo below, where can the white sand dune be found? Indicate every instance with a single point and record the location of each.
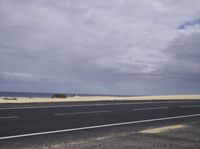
(99, 98)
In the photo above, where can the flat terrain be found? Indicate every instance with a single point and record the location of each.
(97, 98)
(102, 125)
(124, 137)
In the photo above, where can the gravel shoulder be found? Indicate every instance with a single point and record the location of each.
(128, 137)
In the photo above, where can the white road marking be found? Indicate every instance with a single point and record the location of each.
(90, 105)
(155, 108)
(90, 112)
(98, 126)
(9, 117)
(190, 106)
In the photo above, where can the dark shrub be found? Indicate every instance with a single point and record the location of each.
(9, 98)
(59, 96)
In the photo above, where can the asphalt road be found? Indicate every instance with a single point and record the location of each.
(18, 122)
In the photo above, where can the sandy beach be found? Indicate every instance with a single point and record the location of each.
(96, 98)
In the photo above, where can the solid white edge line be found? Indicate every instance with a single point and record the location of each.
(154, 108)
(90, 105)
(9, 117)
(98, 126)
(190, 106)
(89, 112)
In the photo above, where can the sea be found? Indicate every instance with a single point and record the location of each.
(46, 95)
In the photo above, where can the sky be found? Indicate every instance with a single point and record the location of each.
(125, 47)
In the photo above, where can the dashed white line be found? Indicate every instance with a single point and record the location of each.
(190, 106)
(154, 108)
(74, 113)
(99, 126)
(9, 117)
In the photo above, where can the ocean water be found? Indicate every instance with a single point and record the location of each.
(32, 94)
(27, 94)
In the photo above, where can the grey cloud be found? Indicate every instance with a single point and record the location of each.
(181, 70)
(120, 47)
(184, 55)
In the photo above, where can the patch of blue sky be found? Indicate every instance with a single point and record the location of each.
(189, 24)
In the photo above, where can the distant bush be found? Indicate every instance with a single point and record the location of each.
(59, 96)
(72, 95)
(9, 98)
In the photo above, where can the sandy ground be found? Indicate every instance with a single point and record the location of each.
(162, 129)
(97, 98)
(130, 137)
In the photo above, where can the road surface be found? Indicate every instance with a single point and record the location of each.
(20, 122)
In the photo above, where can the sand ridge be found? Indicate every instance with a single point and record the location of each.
(99, 98)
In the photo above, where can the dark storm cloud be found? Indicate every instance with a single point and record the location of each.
(184, 55)
(92, 46)
(182, 67)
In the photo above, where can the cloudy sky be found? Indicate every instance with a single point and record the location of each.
(100, 46)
